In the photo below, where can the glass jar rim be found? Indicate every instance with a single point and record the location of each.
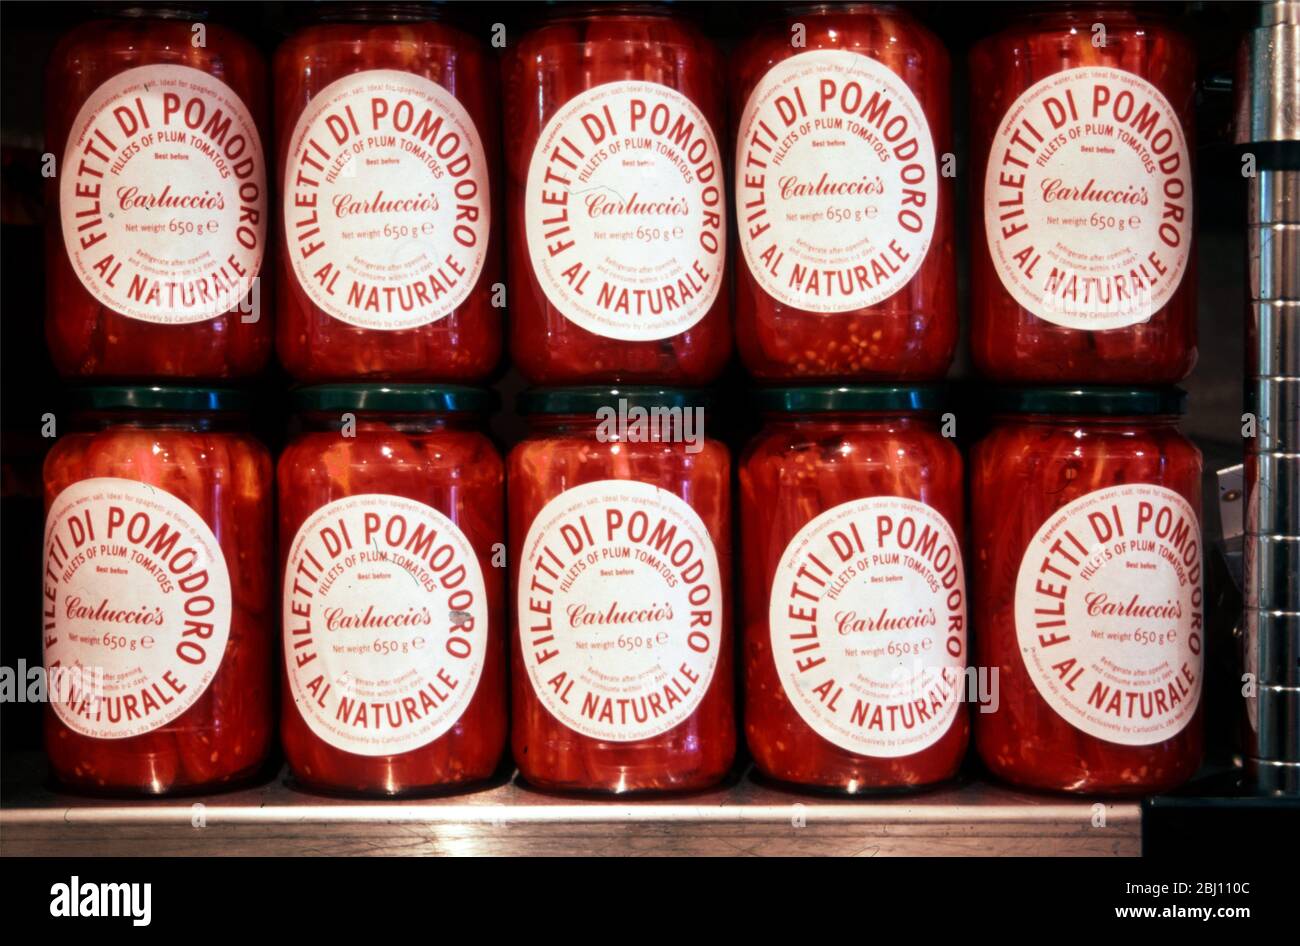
(377, 12)
(588, 399)
(562, 9)
(187, 10)
(393, 398)
(171, 398)
(849, 398)
(1077, 400)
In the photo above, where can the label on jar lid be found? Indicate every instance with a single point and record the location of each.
(386, 205)
(620, 609)
(162, 196)
(868, 625)
(625, 211)
(1108, 613)
(385, 623)
(836, 182)
(136, 609)
(1088, 199)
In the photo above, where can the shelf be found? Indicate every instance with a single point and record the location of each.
(747, 818)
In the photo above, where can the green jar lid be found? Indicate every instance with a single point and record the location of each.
(588, 400)
(1082, 399)
(157, 397)
(394, 398)
(822, 399)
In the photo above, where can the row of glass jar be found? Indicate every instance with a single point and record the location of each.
(1084, 549)
(388, 261)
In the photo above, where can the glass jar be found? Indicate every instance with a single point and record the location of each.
(1083, 266)
(620, 519)
(1088, 602)
(392, 527)
(387, 143)
(155, 243)
(618, 217)
(845, 223)
(157, 593)
(851, 514)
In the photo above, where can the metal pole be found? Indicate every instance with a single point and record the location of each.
(1268, 128)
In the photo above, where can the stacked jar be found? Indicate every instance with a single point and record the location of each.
(155, 247)
(1086, 500)
(1089, 605)
(157, 617)
(852, 516)
(617, 204)
(387, 147)
(1082, 266)
(844, 213)
(391, 531)
(620, 531)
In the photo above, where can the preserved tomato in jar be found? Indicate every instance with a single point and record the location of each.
(387, 143)
(617, 204)
(391, 535)
(855, 641)
(1082, 261)
(845, 223)
(1088, 600)
(155, 243)
(620, 518)
(157, 593)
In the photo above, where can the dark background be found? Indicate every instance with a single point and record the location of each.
(29, 387)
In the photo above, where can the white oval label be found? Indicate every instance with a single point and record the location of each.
(386, 204)
(1108, 613)
(836, 182)
(620, 609)
(162, 195)
(868, 625)
(1088, 199)
(625, 211)
(137, 607)
(385, 623)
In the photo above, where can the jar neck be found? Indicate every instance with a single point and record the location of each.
(1081, 11)
(650, 425)
(562, 424)
(848, 419)
(579, 10)
(384, 422)
(822, 8)
(378, 11)
(184, 12)
(188, 421)
(1098, 421)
